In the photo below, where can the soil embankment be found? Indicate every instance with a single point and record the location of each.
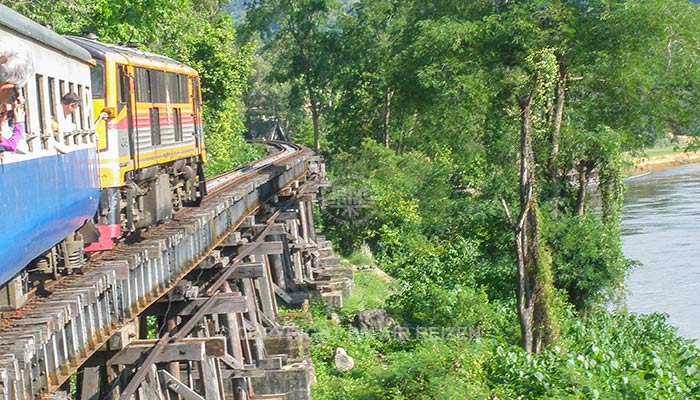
(644, 164)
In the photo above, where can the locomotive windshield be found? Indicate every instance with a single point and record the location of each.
(97, 79)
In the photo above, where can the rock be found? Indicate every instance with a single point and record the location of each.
(374, 320)
(342, 360)
(333, 317)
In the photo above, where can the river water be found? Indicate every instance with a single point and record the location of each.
(661, 229)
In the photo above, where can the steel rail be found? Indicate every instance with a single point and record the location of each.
(88, 342)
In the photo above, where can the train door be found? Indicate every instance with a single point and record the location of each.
(197, 114)
(127, 101)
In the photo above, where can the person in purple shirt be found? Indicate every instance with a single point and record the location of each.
(16, 68)
(15, 113)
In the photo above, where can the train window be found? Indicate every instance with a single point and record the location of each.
(195, 89)
(158, 86)
(62, 87)
(175, 89)
(40, 111)
(143, 86)
(177, 113)
(80, 123)
(55, 107)
(27, 117)
(123, 90)
(97, 80)
(171, 88)
(29, 114)
(52, 97)
(155, 126)
(184, 96)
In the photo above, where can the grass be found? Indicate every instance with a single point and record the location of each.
(362, 256)
(370, 291)
(662, 151)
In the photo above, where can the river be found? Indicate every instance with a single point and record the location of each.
(661, 229)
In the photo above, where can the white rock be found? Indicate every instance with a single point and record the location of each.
(342, 360)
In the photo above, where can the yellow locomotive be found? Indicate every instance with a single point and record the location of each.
(151, 144)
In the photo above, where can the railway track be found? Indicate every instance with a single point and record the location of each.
(215, 184)
(235, 265)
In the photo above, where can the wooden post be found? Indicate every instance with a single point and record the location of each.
(89, 383)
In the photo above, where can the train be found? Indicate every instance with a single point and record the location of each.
(134, 153)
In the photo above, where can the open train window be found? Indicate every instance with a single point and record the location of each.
(80, 123)
(40, 96)
(28, 110)
(53, 102)
(155, 125)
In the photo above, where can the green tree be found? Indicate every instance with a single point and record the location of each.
(206, 41)
(296, 29)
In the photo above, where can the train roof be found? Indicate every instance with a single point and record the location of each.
(18, 24)
(132, 55)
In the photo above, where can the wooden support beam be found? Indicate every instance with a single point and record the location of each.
(224, 303)
(276, 229)
(283, 294)
(122, 337)
(247, 270)
(248, 372)
(89, 383)
(188, 349)
(268, 397)
(231, 361)
(287, 215)
(263, 248)
(178, 387)
(209, 376)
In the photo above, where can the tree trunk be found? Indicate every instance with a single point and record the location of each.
(533, 266)
(314, 117)
(555, 130)
(313, 100)
(523, 233)
(387, 114)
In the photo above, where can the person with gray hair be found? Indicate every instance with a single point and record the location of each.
(16, 68)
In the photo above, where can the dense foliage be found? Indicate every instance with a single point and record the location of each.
(603, 356)
(205, 39)
(425, 111)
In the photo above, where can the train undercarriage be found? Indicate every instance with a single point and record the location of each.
(151, 196)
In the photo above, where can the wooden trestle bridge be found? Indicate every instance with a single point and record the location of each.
(208, 283)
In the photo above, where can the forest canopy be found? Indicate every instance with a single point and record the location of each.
(465, 136)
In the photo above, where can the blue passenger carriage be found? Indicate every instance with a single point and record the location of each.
(47, 195)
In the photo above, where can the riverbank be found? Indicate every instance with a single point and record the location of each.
(641, 165)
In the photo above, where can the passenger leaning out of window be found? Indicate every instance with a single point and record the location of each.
(64, 124)
(16, 67)
(12, 125)
(70, 102)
